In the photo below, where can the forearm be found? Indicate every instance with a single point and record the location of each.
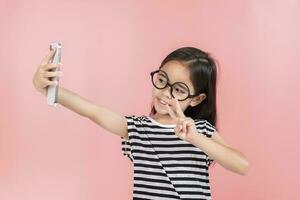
(75, 102)
(106, 118)
(229, 158)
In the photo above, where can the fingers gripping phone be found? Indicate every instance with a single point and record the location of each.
(52, 91)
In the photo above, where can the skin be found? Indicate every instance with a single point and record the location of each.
(176, 72)
(215, 147)
(173, 113)
(41, 76)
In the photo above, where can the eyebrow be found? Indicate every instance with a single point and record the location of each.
(164, 74)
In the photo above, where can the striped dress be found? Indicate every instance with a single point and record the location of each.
(165, 166)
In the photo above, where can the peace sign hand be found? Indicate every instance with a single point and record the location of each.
(185, 128)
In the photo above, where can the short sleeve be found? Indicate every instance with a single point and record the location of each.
(126, 144)
(210, 129)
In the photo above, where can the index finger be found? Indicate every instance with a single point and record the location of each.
(178, 109)
(171, 112)
(47, 58)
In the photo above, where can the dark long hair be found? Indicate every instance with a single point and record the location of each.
(203, 75)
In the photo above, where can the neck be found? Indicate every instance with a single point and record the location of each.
(163, 118)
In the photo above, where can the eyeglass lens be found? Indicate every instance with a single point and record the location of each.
(179, 90)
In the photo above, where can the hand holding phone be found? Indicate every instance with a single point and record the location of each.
(52, 91)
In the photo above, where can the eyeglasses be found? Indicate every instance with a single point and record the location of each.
(179, 90)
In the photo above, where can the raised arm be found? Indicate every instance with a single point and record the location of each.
(109, 120)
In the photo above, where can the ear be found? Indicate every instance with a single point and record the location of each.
(198, 99)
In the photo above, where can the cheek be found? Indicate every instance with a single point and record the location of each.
(154, 93)
(184, 106)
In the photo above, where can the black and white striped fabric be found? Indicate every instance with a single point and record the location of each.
(165, 166)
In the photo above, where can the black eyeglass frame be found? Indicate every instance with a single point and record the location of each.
(171, 85)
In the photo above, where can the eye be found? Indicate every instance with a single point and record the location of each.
(179, 90)
(162, 80)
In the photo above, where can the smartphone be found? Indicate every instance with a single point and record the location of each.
(52, 90)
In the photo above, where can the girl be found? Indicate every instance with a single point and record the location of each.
(173, 147)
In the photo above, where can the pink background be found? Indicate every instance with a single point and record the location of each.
(109, 49)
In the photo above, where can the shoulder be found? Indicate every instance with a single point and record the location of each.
(205, 127)
(136, 119)
(210, 127)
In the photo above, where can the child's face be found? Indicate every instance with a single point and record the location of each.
(176, 72)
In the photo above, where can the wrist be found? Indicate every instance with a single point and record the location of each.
(194, 137)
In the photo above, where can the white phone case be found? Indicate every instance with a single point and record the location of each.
(53, 90)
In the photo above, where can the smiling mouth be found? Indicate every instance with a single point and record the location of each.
(163, 102)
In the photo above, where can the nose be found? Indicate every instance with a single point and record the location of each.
(167, 92)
